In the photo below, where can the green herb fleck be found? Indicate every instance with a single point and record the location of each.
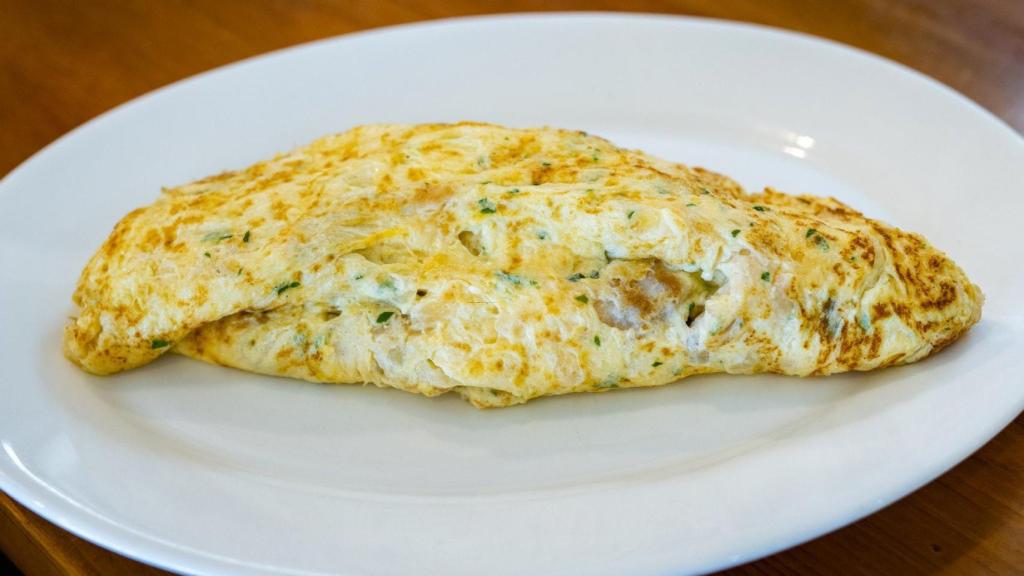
(765, 276)
(810, 232)
(629, 215)
(384, 316)
(864, 321)
(542, 235)
(594, 157)
(546, 164)
(217, 236)
(690, 205)
(207, 254)
(155, 344)
(285, 286)
(656, 364)
(486, 206)
(245, 237)
(662, 190)
(239, 272)
(358, 277)
(513, 191)
(594, 274)
(821, 242)
(760, 208)
(597, 341)
(735, 233)
(582, 299)
(689, 309)
(515, 279)
(576, 277)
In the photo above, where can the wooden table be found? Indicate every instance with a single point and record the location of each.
(62, 63)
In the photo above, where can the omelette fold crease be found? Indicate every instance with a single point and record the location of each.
(506, 264)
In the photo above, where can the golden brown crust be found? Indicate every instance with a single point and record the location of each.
(504, 265)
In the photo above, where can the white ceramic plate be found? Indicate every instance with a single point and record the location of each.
(208, 470)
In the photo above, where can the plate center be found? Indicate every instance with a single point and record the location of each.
(366, 440)
(380, 441)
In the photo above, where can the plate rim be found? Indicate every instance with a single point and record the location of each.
(111, 535)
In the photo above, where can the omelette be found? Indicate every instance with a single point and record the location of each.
(506, 264)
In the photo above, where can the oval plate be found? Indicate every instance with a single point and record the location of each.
(203, 469)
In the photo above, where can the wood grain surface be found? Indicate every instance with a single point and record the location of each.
(61, 63)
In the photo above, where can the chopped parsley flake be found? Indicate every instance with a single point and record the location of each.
(864, 321)
(735, 233)
(810, 232)
(597, 341)
(155, 344)
(705, 191)
(629, 215)
(285, 286)
(542, 235)
(690, 205)
(765, 276)
(594, 274)
(760, 208)
(514, 279)
(207, 254)
(486, 206)
(821, 242)
(662, 190)
(689, 309)
(546, 164)
(513, 191)
(358, 277)
(656, 364)
(245, 237)
(217, 236)
(582, 299)
(384, 317)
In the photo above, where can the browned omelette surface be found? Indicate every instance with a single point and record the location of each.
(507, 264)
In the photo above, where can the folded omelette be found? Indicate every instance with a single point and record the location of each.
(507, 264)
